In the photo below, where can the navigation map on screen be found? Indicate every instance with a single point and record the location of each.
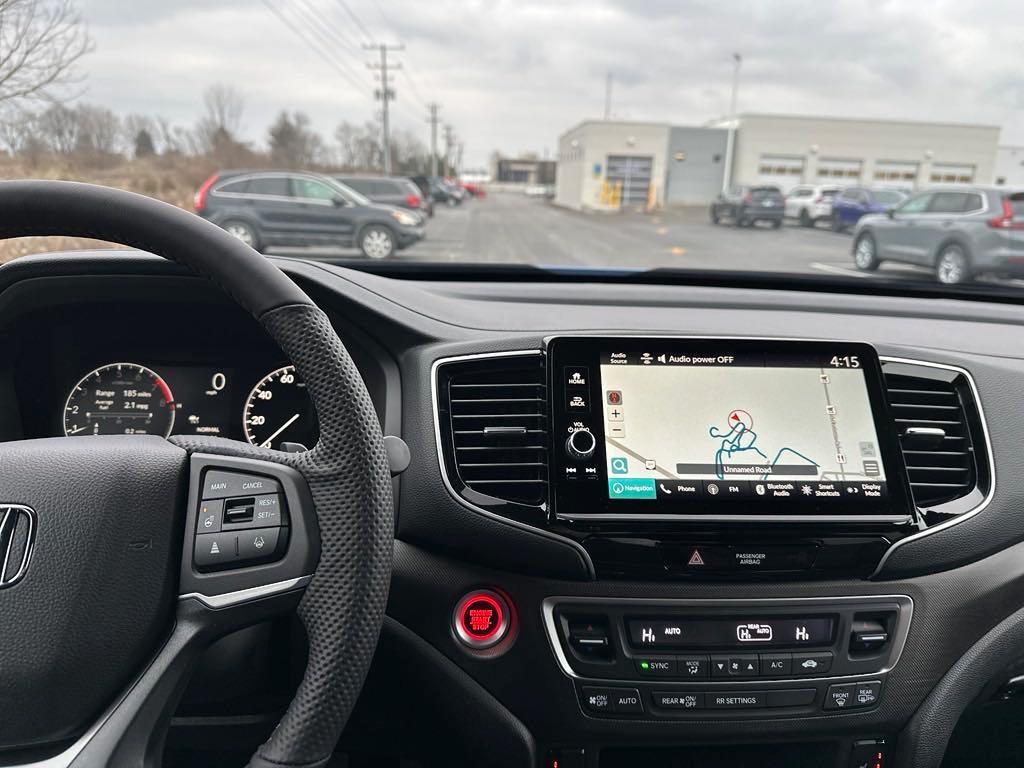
(676, 427)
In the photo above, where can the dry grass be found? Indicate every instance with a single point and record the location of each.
(171, 179)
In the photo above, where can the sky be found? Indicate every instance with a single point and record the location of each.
(511, 75)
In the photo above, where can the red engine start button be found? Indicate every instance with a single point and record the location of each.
(481, 619)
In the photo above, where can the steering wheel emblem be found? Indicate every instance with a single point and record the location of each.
(17, 535)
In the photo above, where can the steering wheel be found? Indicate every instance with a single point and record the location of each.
(109, 592)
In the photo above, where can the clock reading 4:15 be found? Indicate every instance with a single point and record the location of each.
(845, 361)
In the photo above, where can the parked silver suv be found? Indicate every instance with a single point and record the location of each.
(959, 232)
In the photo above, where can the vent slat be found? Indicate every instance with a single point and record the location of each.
(498, 413)
(946, 471)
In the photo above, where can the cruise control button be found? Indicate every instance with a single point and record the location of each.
(812, 663)
(736, 700)
(266, 511)
(210, 517)
(258, 544)
(215, 549)
(672, 700)
(839, 697)
(219, 484)
(656, 667)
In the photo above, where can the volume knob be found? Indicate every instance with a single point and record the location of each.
(581, 444)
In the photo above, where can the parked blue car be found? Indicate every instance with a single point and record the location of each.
(853, 202)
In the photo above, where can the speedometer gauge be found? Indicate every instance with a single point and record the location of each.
(120, 399)
(279, 410)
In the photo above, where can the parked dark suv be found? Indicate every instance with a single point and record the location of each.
(745, 206)
(390, 190)
(275, 208)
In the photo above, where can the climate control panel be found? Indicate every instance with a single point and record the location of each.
(704, 658)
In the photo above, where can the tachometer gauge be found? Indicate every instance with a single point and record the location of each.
(120, 399)
(279, 410)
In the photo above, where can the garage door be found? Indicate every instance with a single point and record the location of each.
(952, 173)
(893, 173)
(839, 170)
(782, 171)
(634, 173)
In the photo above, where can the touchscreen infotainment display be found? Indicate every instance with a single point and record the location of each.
(692, 426)
(741, 425)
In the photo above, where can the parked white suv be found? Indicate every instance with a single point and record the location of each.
(810, 203)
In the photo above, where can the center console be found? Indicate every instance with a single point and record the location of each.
(724, 461)
(694, 659)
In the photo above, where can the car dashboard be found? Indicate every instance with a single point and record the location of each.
(547, 608)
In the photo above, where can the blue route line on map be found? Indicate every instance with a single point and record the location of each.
(740, 439)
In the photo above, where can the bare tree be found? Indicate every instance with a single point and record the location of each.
(40, 42)
(99, 131)
(220, 124)
(293, 143)
(59, 126)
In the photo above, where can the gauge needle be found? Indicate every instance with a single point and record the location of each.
(282, 428)
(76, 431)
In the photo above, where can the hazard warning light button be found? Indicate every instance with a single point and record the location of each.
(481, 619)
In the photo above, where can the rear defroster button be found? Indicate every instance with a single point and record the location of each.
(481, 619)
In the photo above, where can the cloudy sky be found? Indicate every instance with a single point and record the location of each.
(512, 75)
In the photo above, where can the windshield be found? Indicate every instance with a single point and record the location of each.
(788, 139)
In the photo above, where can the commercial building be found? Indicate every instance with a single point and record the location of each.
(1010, 167)
(787, 150)
(604, 165)
(527, 169)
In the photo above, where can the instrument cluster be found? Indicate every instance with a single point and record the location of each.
(131, 398)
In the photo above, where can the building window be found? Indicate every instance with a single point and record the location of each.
(778, 165)
(952, 173)
(839, 169)
(895, 172)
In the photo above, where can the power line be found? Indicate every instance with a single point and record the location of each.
(326, 32)
(356, 20)
(314, 46)
(383, 16)
(412, 87)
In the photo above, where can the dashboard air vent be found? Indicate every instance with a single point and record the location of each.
(938, 425)
(493, 411)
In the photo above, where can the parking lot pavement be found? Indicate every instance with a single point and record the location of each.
(513, 228)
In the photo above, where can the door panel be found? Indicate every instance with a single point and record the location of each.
(321, 218)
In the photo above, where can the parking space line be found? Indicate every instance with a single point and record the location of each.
(839, 270)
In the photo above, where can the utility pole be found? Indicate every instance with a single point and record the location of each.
(384, 94)
(608, 96)
(730, 144)
(433, 120)
(449, 144)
